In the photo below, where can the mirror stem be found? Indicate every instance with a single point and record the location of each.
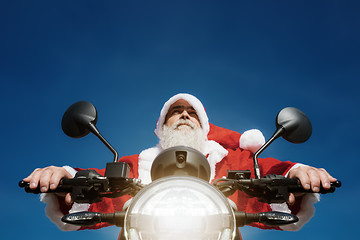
(277, 134)
(96, 132)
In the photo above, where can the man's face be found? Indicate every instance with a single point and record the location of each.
(181, 109)
(182, 127)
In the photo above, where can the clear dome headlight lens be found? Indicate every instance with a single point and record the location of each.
(179, 208)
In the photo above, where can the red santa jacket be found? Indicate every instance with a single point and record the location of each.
(235, 159)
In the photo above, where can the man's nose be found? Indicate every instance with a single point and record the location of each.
(185, 115)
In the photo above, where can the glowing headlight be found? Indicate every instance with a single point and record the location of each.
(179, 208)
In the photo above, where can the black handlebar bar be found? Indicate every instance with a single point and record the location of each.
(88, 186)
(64, 187)
(270, 189)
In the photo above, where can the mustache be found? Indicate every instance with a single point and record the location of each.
(183, 122)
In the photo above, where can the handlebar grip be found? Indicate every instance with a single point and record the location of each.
(336, 184)
(60, 189)
(322, 190)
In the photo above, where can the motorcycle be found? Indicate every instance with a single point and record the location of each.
(179, 203)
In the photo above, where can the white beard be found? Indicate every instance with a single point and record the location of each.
(183, 133)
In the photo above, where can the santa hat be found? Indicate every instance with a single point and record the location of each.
(251, 140)
(194, 102)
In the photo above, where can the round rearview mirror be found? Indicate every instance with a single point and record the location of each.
(76, 119)
(296, 125)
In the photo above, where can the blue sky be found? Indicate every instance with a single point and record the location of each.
(245, 60)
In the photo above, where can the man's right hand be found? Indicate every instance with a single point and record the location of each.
(48, 178)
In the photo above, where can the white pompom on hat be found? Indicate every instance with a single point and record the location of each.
(194, 102)
(252, 140)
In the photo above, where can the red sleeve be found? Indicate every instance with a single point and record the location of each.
(274, 166)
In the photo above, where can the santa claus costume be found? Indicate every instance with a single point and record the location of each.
(224, 149)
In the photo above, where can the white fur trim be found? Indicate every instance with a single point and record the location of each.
(146, 159)
(213, 149)
(307, 211)
(53, 212)
(293, 167)
(52, 208)
(216, 154)
(252, 140)
(194, 102)
(70, 170)
(307, 208)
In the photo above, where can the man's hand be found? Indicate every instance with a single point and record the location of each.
(48, 178)
(310, 178)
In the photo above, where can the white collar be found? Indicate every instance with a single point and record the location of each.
(213, 150)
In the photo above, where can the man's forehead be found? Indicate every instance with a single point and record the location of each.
(181, 103)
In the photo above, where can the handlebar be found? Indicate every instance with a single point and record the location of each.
(270, 189)
(63, 187)
(88, 186)
(299, 188)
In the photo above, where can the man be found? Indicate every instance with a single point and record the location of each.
(183, 121)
